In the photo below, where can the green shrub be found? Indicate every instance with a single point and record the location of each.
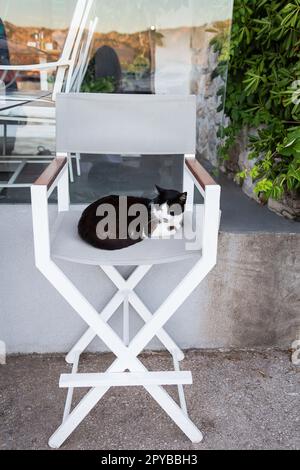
(263, 94)
(97, 85)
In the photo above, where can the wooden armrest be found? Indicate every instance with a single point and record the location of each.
(51, 173)
(199, 173)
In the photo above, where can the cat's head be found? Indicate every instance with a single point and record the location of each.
(169, 205)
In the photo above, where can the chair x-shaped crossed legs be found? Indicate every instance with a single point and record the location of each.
(126, 356)
(127, 296)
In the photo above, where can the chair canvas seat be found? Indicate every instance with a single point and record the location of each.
(67, 245)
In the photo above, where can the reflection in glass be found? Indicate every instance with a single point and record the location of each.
(140, 46)
(36, 33)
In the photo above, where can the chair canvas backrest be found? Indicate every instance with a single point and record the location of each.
(125, 124)
(72, 45)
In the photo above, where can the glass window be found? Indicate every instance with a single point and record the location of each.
(139, 46)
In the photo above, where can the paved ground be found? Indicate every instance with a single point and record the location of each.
(240, 400)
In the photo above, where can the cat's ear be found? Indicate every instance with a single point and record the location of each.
(159, 190)
(183, 198)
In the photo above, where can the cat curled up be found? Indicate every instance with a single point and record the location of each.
(116, 222)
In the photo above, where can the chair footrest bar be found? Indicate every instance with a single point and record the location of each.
(130, 379)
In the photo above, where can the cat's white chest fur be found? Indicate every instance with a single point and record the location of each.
(165, 230)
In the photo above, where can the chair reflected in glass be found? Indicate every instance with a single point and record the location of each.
(38, 106)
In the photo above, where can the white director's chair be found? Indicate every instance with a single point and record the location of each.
(133, 125)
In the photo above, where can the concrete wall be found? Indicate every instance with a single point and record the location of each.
(250, 299)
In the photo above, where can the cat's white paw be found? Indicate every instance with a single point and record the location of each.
(163, 231)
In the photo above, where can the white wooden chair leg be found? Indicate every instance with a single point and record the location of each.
(108, 312)
(90, 335)
(69, 400)
(115, 303)
(126, 325)
(188, 185)
(63, 192)
(71, 172)
(181, 394)
(78, 164)
(142, 310)
(176, 414)
(75, 418)
(162, 335)
(4, 143)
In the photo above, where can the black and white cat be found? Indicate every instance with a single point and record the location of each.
(163, 217)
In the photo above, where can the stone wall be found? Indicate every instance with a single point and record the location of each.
(206, 88)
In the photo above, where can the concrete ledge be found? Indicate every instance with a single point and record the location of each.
(251, 299)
